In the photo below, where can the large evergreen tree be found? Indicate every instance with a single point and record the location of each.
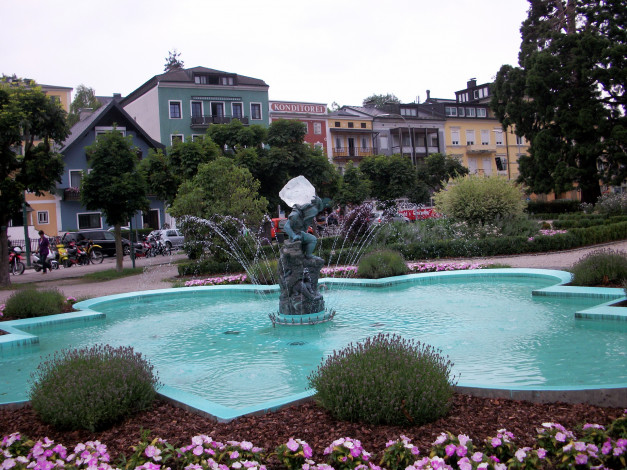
(567, 97)
(114, 185)
(30, 124)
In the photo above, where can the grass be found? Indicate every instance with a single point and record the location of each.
(111, 274)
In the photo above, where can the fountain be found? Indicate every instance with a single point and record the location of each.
(299, 270)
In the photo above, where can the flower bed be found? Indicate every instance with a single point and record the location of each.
(555, 447)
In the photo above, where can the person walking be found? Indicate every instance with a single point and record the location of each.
(44, 251)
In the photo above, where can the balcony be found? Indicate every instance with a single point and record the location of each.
(351, 153)
(476, 148)
(71, 194)
(199, 122)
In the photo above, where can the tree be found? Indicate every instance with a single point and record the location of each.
(172, 61)
(391, 177)
(567, 97)
(235, 136)
(354, 186)
(221, 187)
(381, 101)
(83, 99)
(185, 157)
(27, 116)
(114, 185)
(161, 179)
(437, 169)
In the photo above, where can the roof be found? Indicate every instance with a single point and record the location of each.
(83, 126)
(187, 76)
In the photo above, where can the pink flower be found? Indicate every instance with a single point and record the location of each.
(581, 459)
(292, 445)
(450, 449)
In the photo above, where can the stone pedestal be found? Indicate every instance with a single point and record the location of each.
(298, 280)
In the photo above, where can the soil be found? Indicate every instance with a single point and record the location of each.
(479, 418)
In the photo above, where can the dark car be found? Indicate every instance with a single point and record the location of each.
(103, 238)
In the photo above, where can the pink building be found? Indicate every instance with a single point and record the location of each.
(313, 115)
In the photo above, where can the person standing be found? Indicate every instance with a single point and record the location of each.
(44, 251)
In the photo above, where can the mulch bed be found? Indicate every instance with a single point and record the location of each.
(479, 418)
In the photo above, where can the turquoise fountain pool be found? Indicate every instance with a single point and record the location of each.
(215, 348)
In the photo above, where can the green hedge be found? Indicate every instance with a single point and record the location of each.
(587, 221)
(559, 206)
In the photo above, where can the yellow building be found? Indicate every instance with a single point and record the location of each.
(43, 212)
(350, 137)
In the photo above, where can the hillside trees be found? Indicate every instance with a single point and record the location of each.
(567, 96)
(30, 124)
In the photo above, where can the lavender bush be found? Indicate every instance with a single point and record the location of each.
(30, 303)
(600, 267)
(92, 388)
(385, 380)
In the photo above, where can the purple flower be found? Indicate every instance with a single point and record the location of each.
(581, 459)
(496, 442)
(450, 449)
(292, 445)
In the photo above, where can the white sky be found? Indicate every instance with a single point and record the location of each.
(320, 51)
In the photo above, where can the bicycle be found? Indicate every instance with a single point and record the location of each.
(94, 252)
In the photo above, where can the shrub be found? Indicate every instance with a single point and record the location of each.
(600, 267)
(558, 206)
(381, 263)
(92, 388)
(612, 204)
(479, 199)
(385, 380)
(208, 266)
(34, 303)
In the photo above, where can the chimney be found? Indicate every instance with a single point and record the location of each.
(117, 96)
(84, 112)
(428, 95)
(471, 83)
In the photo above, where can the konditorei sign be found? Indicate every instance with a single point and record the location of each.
(291, 107)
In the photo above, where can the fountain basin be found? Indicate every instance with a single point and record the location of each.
(217, 352)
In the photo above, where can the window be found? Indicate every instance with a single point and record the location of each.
(217, 109)
(337, 124)
(317, 128)
(481, 112)
(176, 138)
(197, 137)
(200, 79)
(351, 125)
(470, 137)
(255, 110)
(363, 125)
(462, 112)
(89, 220)
(485, 137)
(364, 144)
(75, 178)
(175, 110)
(338, 143)
(101, 130)
(226, 80)
(520, 140)
(450, 110)
(306, 127)
(237, 110)
(196, 108)
(408, 112)
(42, 217)
(433, 140)
(454, 136)
(470, 112)
(498, 136)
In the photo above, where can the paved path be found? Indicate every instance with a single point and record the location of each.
(160, 272)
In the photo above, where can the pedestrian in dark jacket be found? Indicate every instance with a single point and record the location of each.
(44, 251)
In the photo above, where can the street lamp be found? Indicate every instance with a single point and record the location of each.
(409, 130)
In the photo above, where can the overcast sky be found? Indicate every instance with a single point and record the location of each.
(320, 51)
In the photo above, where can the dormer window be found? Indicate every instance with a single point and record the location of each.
(226, 80)
(201, 79)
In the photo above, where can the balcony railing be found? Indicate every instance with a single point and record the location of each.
(71, 194)
(345, 153)
(206, 121)
(481, 148)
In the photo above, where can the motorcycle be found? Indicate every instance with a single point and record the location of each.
(94, 252)
(144, 249)
(16, 265)
(51, 258)
(71, 255)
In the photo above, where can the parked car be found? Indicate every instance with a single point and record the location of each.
(419, 213)
(276, 231)
(170, 237)
(378, 217)
(104, 238)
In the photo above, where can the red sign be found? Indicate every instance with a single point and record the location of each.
(310, 108)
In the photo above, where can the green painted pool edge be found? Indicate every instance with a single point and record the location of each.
(613, 395)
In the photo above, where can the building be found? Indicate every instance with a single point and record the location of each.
(475, 136)
(351, 136)
(182, 103)
(71, 213)
(312, 115)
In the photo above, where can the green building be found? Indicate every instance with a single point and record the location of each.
(182, 103)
